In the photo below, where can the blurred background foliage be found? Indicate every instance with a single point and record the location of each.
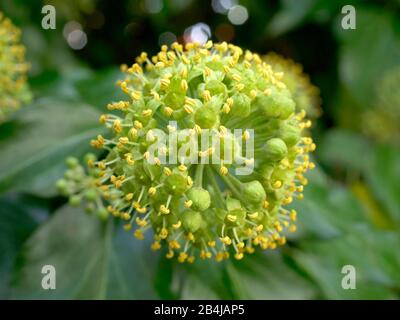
(351, 211)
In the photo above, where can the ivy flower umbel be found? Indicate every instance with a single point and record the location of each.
(199, 209)
(14, 91)
(381, 121)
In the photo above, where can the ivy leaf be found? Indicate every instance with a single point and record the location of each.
(100, 89)
(383, 177)
(370, 252)
(267, 276)
(343, 148)
(328, 209)
(20, 215)
(92, 259)
(204, 280)
(34, 145)
(368, 51)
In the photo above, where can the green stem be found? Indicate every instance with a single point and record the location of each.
(198, 176)
(216, 191)
(230, 184)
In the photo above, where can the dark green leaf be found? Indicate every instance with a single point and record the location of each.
(34, 146)
(92, 259)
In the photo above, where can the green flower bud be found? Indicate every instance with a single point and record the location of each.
(254, 192)
(278, 104)
(290, 134)
(176, 184)
(206, 117)
(91, 194)
(102, 214)
(75, 200)
(174, 100)
(200, 198)
(215, 87)
(275, 149)
(241, 105)
(192, 220)
(61, 185)
(72, 162)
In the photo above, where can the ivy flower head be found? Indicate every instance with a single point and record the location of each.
(14, 91)
(196, 206)
(381, 122)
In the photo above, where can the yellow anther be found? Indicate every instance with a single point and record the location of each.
(185, 60)
(208, 44)
(129, 196)
(136, 95)
(155, 245)
(223, 171)
(141, 222)
(167, 171)
(189, 101)
(168, 111)
(236, 77)
(250, 250)
(226, 240)
(188, 203)
(225, 108)
(138, 125)
(103, 119)
(164, 209)
(253, 215)
(123, 140)
(211, 243)
(277, 184)
(293, 215)
(188, 109)
(207, 71)
(141, 209)
(190, 236)
(177, 225)
(132, 133)
(174, 244)
(163, 233)
(127, 227)
(152, 191)
(268, 92)
(182, 257)
(189, 181)
(138, 234)
(147, 112)
(231, 218)
(239, 256)
(184, 85)
(117, 126)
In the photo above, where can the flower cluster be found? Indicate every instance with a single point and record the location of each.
(195, 207)
(304, 93)
(13, 87)
(382, 121)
